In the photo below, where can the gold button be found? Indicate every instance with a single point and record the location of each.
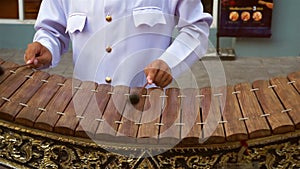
(108, 18)
(108, 80)
(108, 49)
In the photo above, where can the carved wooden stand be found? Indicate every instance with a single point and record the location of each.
(28, 148)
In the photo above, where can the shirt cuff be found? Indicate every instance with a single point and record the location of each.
(54, 54)
(182, 46)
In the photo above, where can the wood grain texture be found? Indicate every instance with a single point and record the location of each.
(235, 129)
(272, 108)
(107, 129)
(149, 128)
(294, 78)
(289, 97)
(59, 102)
(191, 117)
(13, 83)
(212, 131)
(31, 8)
(39, 101)
(94, 112)
(256, 125)
(130, 121)
(171, 115)
(68, 122)
(9, 9)
(7, 73)
(24, 93)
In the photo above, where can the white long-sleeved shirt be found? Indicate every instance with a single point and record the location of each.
(119, 38)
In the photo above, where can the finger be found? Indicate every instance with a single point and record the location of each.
(163, 79)
(32, 50)
(149, 80)
(166, 81)
(28, 59)
(29, 62)
(44, 59)
(39, 55)
(150, 74)
(157, 79)
(163, 76)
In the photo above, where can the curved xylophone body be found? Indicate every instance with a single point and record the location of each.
(49, 120)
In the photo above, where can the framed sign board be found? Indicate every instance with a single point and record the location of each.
(245, 18)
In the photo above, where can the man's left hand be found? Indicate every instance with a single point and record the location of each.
(159, 73)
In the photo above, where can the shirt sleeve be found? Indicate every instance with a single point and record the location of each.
(192, 41)
(50, 29)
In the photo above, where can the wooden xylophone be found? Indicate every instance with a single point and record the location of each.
(227, 117)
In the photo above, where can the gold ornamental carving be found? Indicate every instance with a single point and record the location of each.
(26, 150)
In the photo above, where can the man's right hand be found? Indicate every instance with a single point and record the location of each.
(38, 55)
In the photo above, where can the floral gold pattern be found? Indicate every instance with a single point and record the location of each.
(22, 149)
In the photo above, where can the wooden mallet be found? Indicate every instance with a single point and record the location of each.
(134, 98)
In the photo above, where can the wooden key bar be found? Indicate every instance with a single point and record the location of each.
(13, 83)
(235, 129)
(131, 117)
(94, 112)
(6, 73)
(107, 129)
(289, 97)
(149, 128)
(294, 79)
(280, 122)
(57, 105)
(68, 122)
(37, 104)
(20, 98)
(212, 131)
(191, 116)
(171, 116)
(256, 125)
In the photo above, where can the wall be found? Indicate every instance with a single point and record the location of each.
(285, 40)
(15, 35)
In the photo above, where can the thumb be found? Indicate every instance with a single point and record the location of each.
(31, 52)
(149, 79)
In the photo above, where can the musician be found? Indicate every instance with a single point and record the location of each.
(121, 42)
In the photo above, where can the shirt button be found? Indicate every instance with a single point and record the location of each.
(108, 79)
(108, 49)
(108, 18)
